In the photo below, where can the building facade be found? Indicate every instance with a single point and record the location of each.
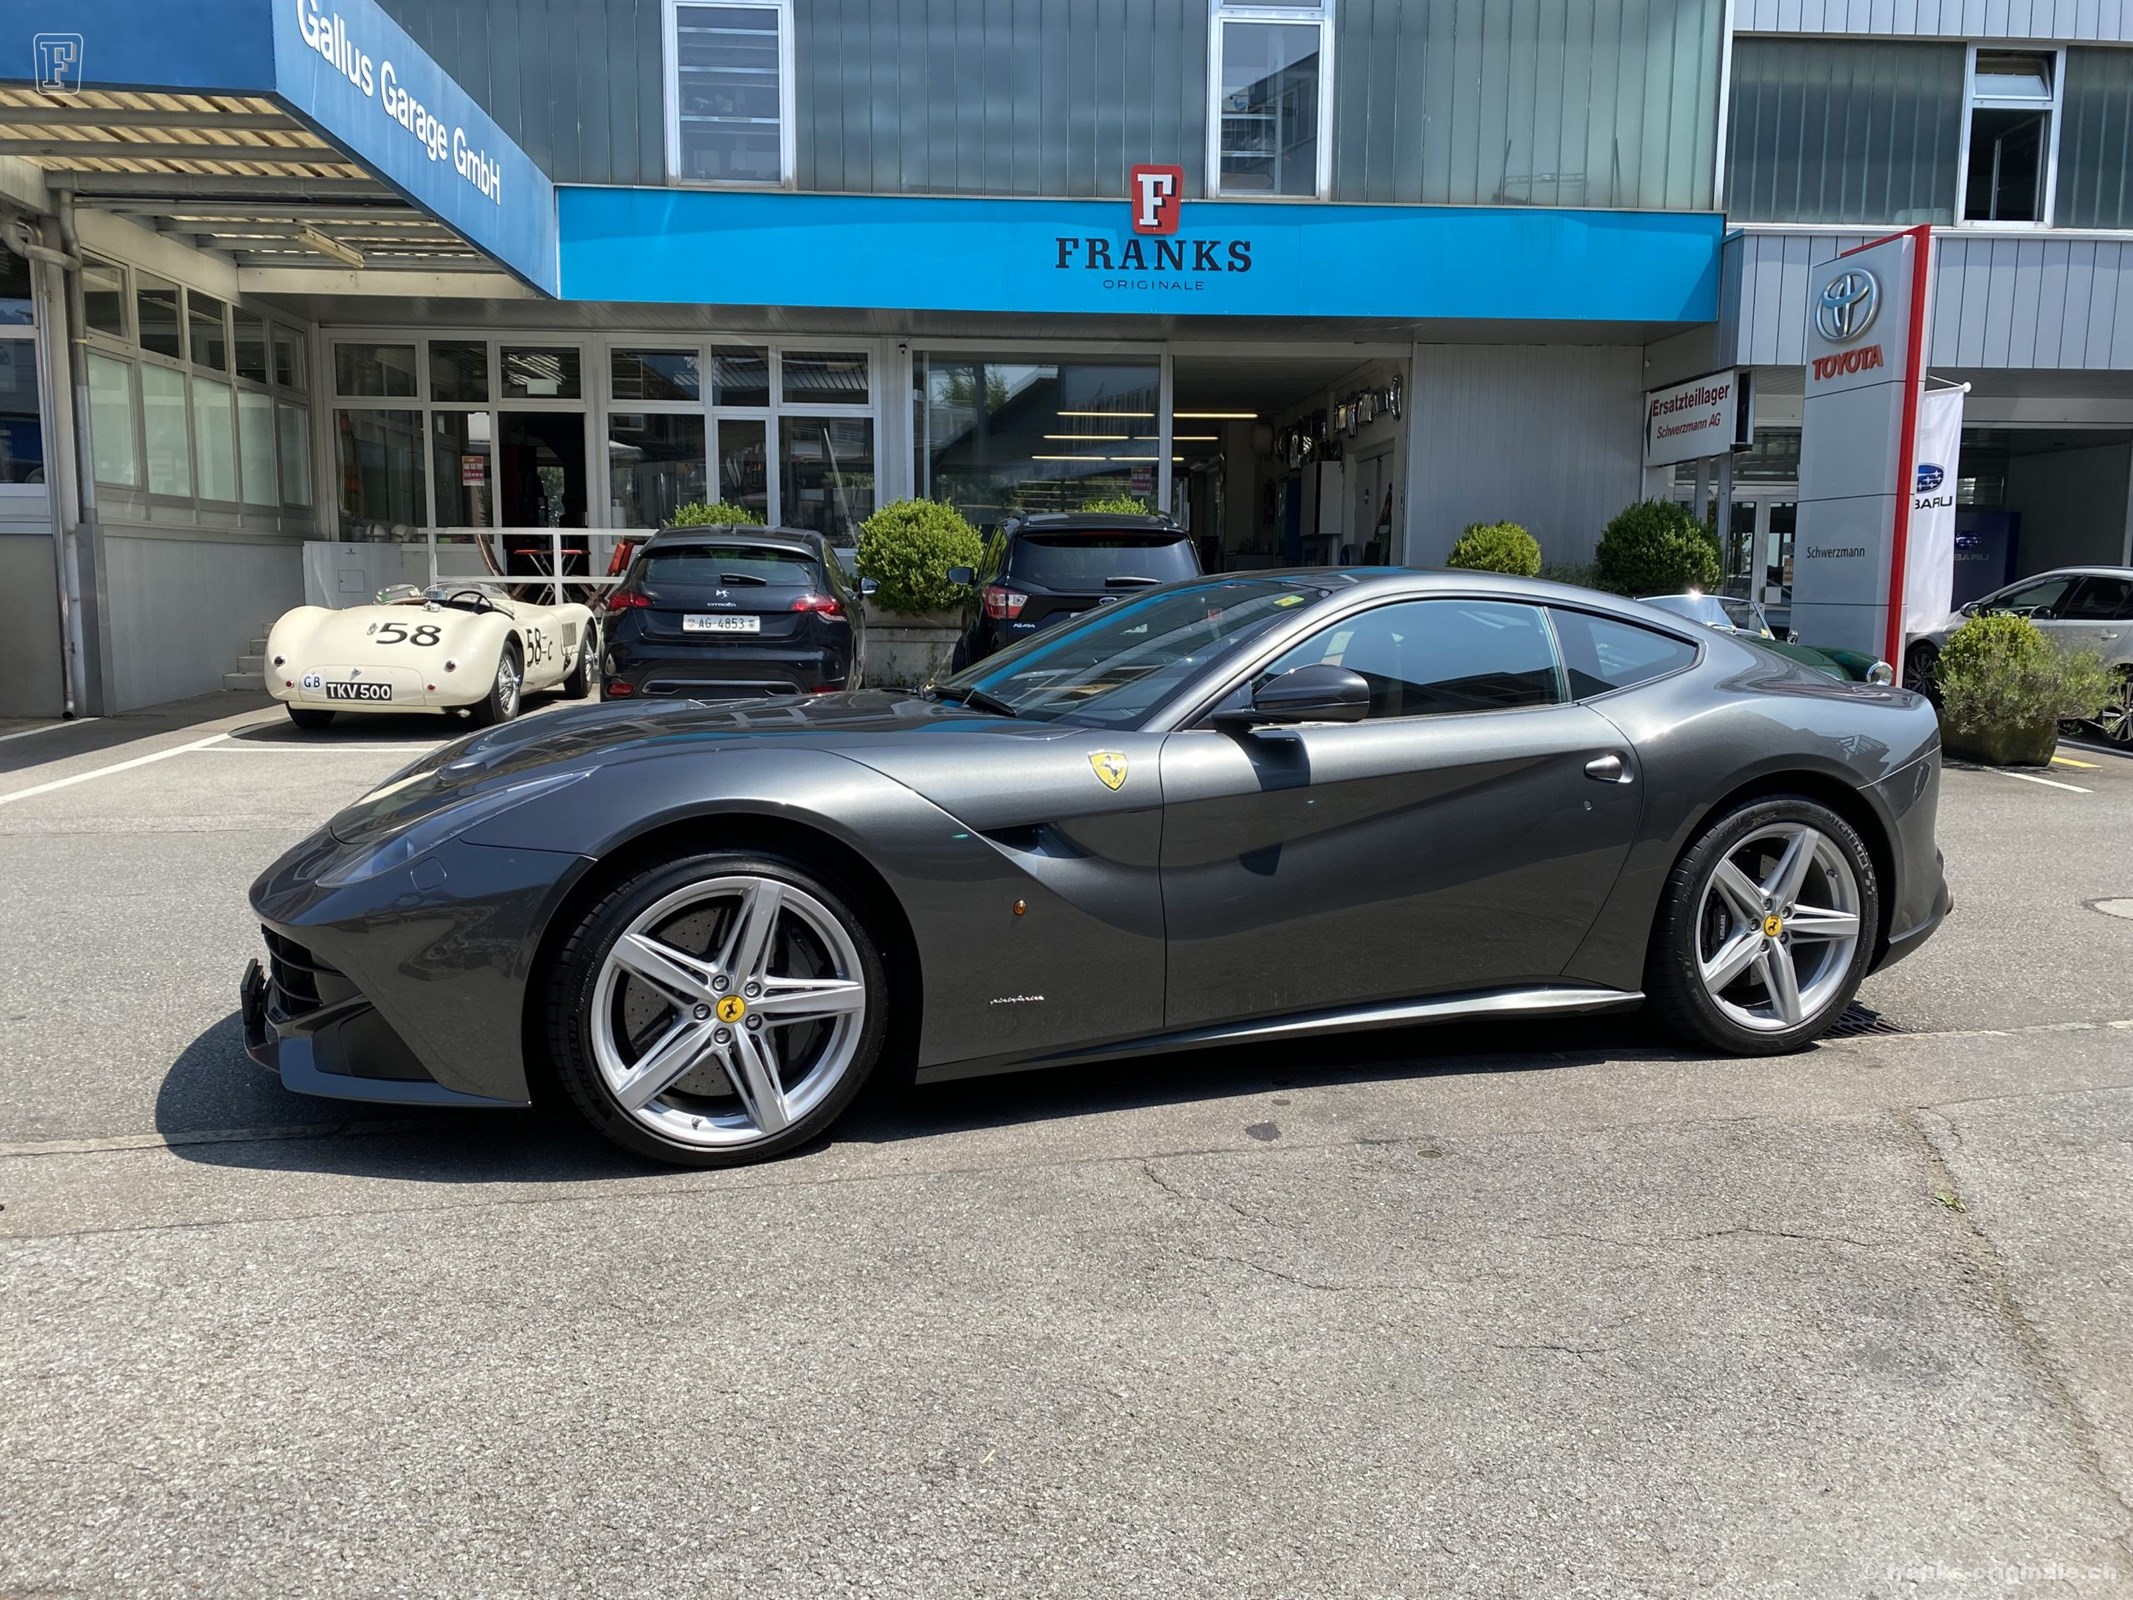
(1327, 280)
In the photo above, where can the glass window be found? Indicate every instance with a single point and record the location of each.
(1268, 95)
(288, 358)
(170, 458)
(728, 562)
(250, 333)
(255, 447)
(380, 468)
(826, 474)
(2101, 600)
(1844, 130)
(1432, 657)
(727, 93)
(2041, 598)
(103, 296)
(16, 306)
(655, 375)
(21, 430)
(744, 464)
(995, 435)
(2010, 136)
(156, 303)
(382, 371)
(292, 426)
(111, 421)
(740, 376)
(208, 321)
(1602, 654)
(464, 463)
(1093, 562)
(2096, 141)
(655, 463)
(813, 377)
(214, 439)
(541, 374)
(459, 370)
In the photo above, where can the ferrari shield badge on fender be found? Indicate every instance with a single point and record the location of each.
(1110, 766)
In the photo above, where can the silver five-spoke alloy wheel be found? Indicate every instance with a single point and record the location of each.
(509, 680)
(1777, 927)
(727, 1011)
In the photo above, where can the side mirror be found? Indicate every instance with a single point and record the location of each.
(867, 586)
(1792, 635)
(1306, 694)
(963, 577)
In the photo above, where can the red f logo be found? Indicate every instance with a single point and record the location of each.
(1155, 192)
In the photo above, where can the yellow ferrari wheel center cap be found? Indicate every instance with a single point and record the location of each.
(1773, 925)
(732, 1008)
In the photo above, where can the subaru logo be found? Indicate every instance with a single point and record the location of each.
(1845, 308)
(1930, 477)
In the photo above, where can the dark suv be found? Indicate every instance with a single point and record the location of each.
(727, 613)
(1050, 566)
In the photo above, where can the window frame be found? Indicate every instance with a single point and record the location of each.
(1973, 102)
(670, 89)
(1318, 13)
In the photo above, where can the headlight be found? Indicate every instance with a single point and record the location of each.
(440, 827)
(1881, 672)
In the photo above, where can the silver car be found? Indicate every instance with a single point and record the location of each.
(2079, 608)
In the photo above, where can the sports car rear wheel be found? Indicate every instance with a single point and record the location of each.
(717, 1009)
(577, 683)
(1766, 928)
(501, 702)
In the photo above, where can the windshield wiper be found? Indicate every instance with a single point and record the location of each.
(1121, 580)
(742, 577)
(978, 698)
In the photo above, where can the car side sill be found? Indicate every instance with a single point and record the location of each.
(1546, 1000)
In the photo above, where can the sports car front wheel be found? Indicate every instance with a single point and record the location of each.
(1766, 928)
(714, 1009)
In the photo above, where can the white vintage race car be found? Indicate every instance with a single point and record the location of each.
(468, 649)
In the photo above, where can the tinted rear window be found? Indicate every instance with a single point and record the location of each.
(1601, 654)
(1084, 561)
(731, 563)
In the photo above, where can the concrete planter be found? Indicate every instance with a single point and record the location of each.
(906, 652)
(2003, 746)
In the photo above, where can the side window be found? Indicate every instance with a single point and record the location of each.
(2043, 595)
(2101, 600)
(1602, 654)
(1431, 657)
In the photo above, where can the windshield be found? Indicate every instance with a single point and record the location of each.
(1111, 667)
(1090, 561)
(731, 564)
(1696, 607)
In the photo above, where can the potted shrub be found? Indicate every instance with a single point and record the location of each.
(714, 514)
(916, 615)
(1497, 547)
(1657, 547)
(2005, 687)
(1119, 505)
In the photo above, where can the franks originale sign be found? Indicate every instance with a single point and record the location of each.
(1153, 258)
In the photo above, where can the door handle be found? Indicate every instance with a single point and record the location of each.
(1609, 768)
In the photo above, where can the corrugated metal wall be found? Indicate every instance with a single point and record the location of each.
(1997, 302)
(1560, 102)
(2108, 21)
(1548, 436)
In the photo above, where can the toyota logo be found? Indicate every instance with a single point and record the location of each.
(1845, 308)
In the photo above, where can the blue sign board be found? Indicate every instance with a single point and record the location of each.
(1223, 257)
(343, 66)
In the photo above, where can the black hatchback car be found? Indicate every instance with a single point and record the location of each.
(1044, 568)
(730, 613)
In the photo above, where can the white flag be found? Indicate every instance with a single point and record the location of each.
(1929, 556)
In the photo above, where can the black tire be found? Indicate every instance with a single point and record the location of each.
(310, 717)
(1673, 982)
(1921, 671)
(959, 658)
(578, 682)
(500, 705)
(574, 976)
(2114, 724)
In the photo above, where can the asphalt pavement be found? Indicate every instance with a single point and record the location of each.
(1527, 1310)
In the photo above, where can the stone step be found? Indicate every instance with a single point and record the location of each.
(253, 667)
(258, 647)
(242, 680)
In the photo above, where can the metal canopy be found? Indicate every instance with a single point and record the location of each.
(234, 174)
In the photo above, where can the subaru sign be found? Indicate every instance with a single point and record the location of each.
(1930, 477)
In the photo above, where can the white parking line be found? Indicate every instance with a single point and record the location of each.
(2049, 783)
(102, 772)
(24, 733)
(248, 746)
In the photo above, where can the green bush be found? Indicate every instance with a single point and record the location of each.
(1579, 574)
(714, 514)
(1497, 547)
(1119, 505)
(1657, 547)
(2005, 687)
(907, 548)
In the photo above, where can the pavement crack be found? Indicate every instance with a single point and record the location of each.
(1581, 1351)
(2032, 1352)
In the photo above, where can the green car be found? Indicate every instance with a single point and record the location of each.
(1730, 615)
